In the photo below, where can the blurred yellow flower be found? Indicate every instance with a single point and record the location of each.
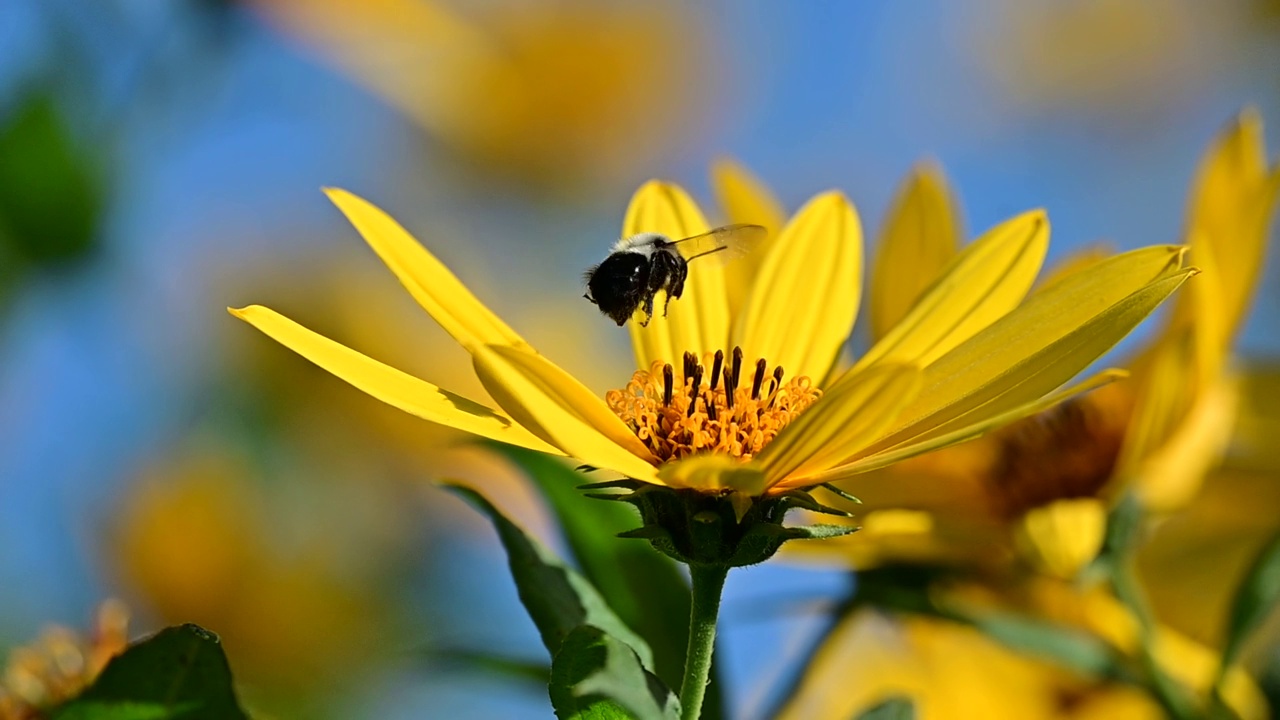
(61, 663)
(564, 93)
(295, 606)
(1196, 559)
(1107, 57)
(970, 356)
(950, 670)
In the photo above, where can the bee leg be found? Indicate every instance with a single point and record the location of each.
(648, 310)
(675, 283)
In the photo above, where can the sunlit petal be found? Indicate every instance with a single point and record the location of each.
(389, 385)
(698, 321)
(984, 282)
(805, 298)
(921, 235)
(426, 278)
(1027, 354)
(745, 199)
(841, 423)
(897, 454)
(558, 409)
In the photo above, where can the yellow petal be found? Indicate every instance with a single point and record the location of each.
(805, 298)
(984, 282)
(1062, 537)
(713, 473)
(558, 409)
(841, 423)
(1051, 337)
(920, 237)
(389, 385)
(699, 321)
(1232, 200)
(745, 199)
(947, 669)
(1174, 436)
(426, 278)
(885, 458)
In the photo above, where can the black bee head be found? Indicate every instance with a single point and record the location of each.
(617, 285)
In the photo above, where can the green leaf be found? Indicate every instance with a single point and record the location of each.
(597, 677)
(557, 598)
(894, 708)
(1255, 599)
(179, 673)
(643, 586)
(50, 199)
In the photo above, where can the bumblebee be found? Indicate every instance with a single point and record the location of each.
(640, 266)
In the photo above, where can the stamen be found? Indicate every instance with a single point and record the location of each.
(693, 393)
(675, 420)
(761, 367)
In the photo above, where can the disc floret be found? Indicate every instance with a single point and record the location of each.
(709, 406)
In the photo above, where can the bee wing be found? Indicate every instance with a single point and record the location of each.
(725, 242)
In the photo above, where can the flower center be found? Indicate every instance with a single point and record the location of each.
(720, 411)
(1065, 453)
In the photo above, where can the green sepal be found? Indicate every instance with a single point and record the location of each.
(894, 708)
(597, 677)
(180, 672)
(804, 500)
(699, 528)
(821, 531)
(829, 487)
(557, 598)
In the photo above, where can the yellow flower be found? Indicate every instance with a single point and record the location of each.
(745, 398)
(1039, 490)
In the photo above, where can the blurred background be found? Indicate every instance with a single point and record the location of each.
(161, 161)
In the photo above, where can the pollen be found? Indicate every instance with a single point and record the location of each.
(709, 405)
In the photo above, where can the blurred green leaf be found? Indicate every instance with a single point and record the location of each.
(597, 677)
(894, 708)
(555, 595)
(50, 199)
(1256, 597)
(1074, 649)
(180, 672)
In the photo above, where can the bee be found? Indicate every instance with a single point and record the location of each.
(641, 265)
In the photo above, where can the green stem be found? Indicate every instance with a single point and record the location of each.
(1126, 531)
(1170, 695)
(708, 581)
